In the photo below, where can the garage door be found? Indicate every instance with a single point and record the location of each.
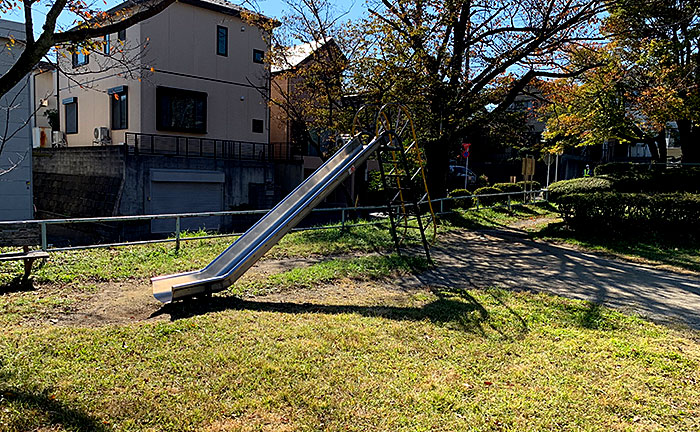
(185, 191)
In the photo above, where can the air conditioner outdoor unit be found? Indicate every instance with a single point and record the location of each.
(58, 139)
(101, 135)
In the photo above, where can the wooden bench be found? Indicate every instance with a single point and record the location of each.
(24, 235)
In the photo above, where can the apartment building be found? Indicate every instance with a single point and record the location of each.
(168, 116)
(195, 70)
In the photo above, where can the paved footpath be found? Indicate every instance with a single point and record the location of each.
(508, 259)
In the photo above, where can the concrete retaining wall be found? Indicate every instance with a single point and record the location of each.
(110, 181)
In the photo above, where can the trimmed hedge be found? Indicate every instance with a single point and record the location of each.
(489, 201)
(535, 185)
(482, 181)
(632, 213)
(651, 178)
(465, 202)
(579, 185)
(508, 187)
(619, 168)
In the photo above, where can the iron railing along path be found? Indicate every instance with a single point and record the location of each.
(539, 196)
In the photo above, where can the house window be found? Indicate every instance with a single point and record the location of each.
(121, 35)
(258, 56)
(80, 59)
(71, 112)
(257, 126)
(222, 41)
(181, 110)
(106, 44)
(119, 107)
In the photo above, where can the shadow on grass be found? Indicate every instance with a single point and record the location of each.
(17, 284)
(453, 307)
(593, 318)
(682, 253)
(40, 411)
(496, 217)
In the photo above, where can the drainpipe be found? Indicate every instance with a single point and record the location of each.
(58, 99)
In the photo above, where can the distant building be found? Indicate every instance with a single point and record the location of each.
(287, 87)
(204, 76)
(15, 134)
(189, 134)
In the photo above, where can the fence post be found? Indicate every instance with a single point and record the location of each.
(177, 233)
(44, 240)
(342, 219)
(442, 205)
(509, 208)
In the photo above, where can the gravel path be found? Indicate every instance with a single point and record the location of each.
(508, 259)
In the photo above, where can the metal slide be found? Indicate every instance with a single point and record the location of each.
(247, 250)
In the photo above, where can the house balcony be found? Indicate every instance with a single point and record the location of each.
(185, 146)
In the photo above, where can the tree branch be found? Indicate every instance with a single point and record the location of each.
(80, 34)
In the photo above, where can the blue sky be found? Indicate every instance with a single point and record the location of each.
(271, 8)
(276, 8)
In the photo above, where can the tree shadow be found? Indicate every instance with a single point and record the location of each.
(474, 222)
(17, 284)
(455, 308)
(54, 412)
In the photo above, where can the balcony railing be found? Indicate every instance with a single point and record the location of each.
(173, 145)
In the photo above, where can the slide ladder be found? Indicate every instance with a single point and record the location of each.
(403, 177)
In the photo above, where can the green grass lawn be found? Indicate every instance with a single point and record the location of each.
(498, 217)
(368, 357)
(145, 261)
(465, 360)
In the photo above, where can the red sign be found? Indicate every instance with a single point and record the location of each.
(465, 146)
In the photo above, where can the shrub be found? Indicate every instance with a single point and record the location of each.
(482, 181)
(619, 168)
(651, 178)
(534, 183)
(632, 213)
(578, 185)
(508, 187)
(490, 200)
(465, 201)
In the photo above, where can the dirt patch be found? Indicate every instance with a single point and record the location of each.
(132, 301)
(347, 292)
(534, 223)
(464, 259)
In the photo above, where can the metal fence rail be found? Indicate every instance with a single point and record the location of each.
(173, 145)
(534, 196)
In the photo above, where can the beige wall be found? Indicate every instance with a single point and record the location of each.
(181, 48)
(91, 91)
(188, 35)
(44, 88)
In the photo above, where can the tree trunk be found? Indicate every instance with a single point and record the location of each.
(437, 167)
(653, 149)
(661, 145)
(689, 136)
